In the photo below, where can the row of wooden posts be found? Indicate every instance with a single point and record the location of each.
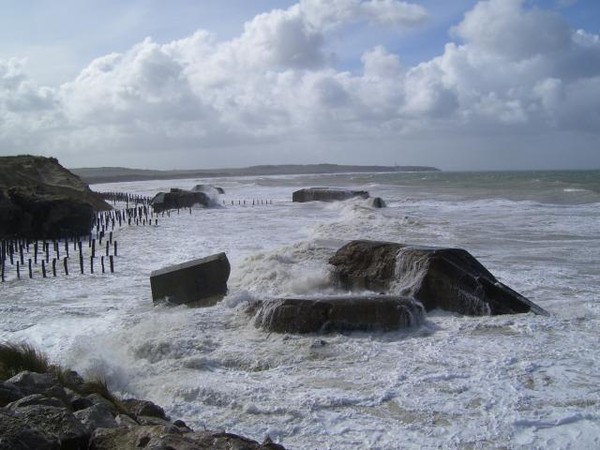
(25, 255)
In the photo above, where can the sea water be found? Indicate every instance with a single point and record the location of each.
(504, 382)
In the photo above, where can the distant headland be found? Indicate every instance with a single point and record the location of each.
(119, 174)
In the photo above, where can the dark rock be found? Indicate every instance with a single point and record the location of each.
(326, 194)
(305, 315)
(34, 383)
(96, 416)
(9, 393)
(40, 199)
(17, 434)
(57, 422)
(98, 400)
(144, 408)
(202, 281)
(36, 399)
(178, 198)
(160, 437)
(445, 278)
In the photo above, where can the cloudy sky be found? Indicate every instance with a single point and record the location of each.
(461, 84)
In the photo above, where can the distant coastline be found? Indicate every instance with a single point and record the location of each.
(120, 174)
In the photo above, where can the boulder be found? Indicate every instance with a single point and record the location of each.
(17, 434)
(446, 278)
(343, 313)
(58, 423)
(202, 282)
(326, 194)
(178, 198)
(39, 199)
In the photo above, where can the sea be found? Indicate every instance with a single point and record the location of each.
(505, 382)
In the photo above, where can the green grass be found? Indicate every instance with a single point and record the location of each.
(15, 358)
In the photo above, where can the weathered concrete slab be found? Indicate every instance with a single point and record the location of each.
(340, 313)
(445, 278)
(202, 281)
(178, 198)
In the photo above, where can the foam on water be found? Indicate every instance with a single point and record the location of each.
(520, 381)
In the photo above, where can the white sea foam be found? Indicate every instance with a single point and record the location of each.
(455, 382)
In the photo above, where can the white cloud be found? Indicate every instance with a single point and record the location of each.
(274, 88)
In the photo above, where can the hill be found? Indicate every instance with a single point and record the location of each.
(117, 174)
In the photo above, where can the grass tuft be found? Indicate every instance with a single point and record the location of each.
(18, 357)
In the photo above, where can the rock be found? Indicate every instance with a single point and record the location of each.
(162, 437)
(9, 393)
(445, 278)
(40, 199)
(365, 313)
(17, 434)
(326, 194)
(56, 422)
(178, 198)
(144, 408)
(96, 416)
(36, 399)
(34, 383)
(202, 282)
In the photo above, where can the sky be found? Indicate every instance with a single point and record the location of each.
(193, 84)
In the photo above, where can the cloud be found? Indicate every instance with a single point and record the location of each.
(273, 91)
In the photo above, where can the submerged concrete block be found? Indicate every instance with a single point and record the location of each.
(201, 281)
(336, 314)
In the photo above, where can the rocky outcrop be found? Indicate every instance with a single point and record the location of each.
(326, 194)
(39, 199)
(49, 416)
(446, 278)
(202, 282)
(345, 313)
(179, 198)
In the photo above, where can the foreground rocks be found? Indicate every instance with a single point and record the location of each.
(445, 278)
(45, 415)
(202, 282)
(329, 314)
(40, 199)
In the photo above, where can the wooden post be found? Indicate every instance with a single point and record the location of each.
(18, 271)
(112, 264)
(54, 267)
(43, 268)
(115, 248)
(102, 263)
(107, 247)
(92, 265)
(66, 264)
(93, 248)
(30, 269)
(35, 251)
(81, 264)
